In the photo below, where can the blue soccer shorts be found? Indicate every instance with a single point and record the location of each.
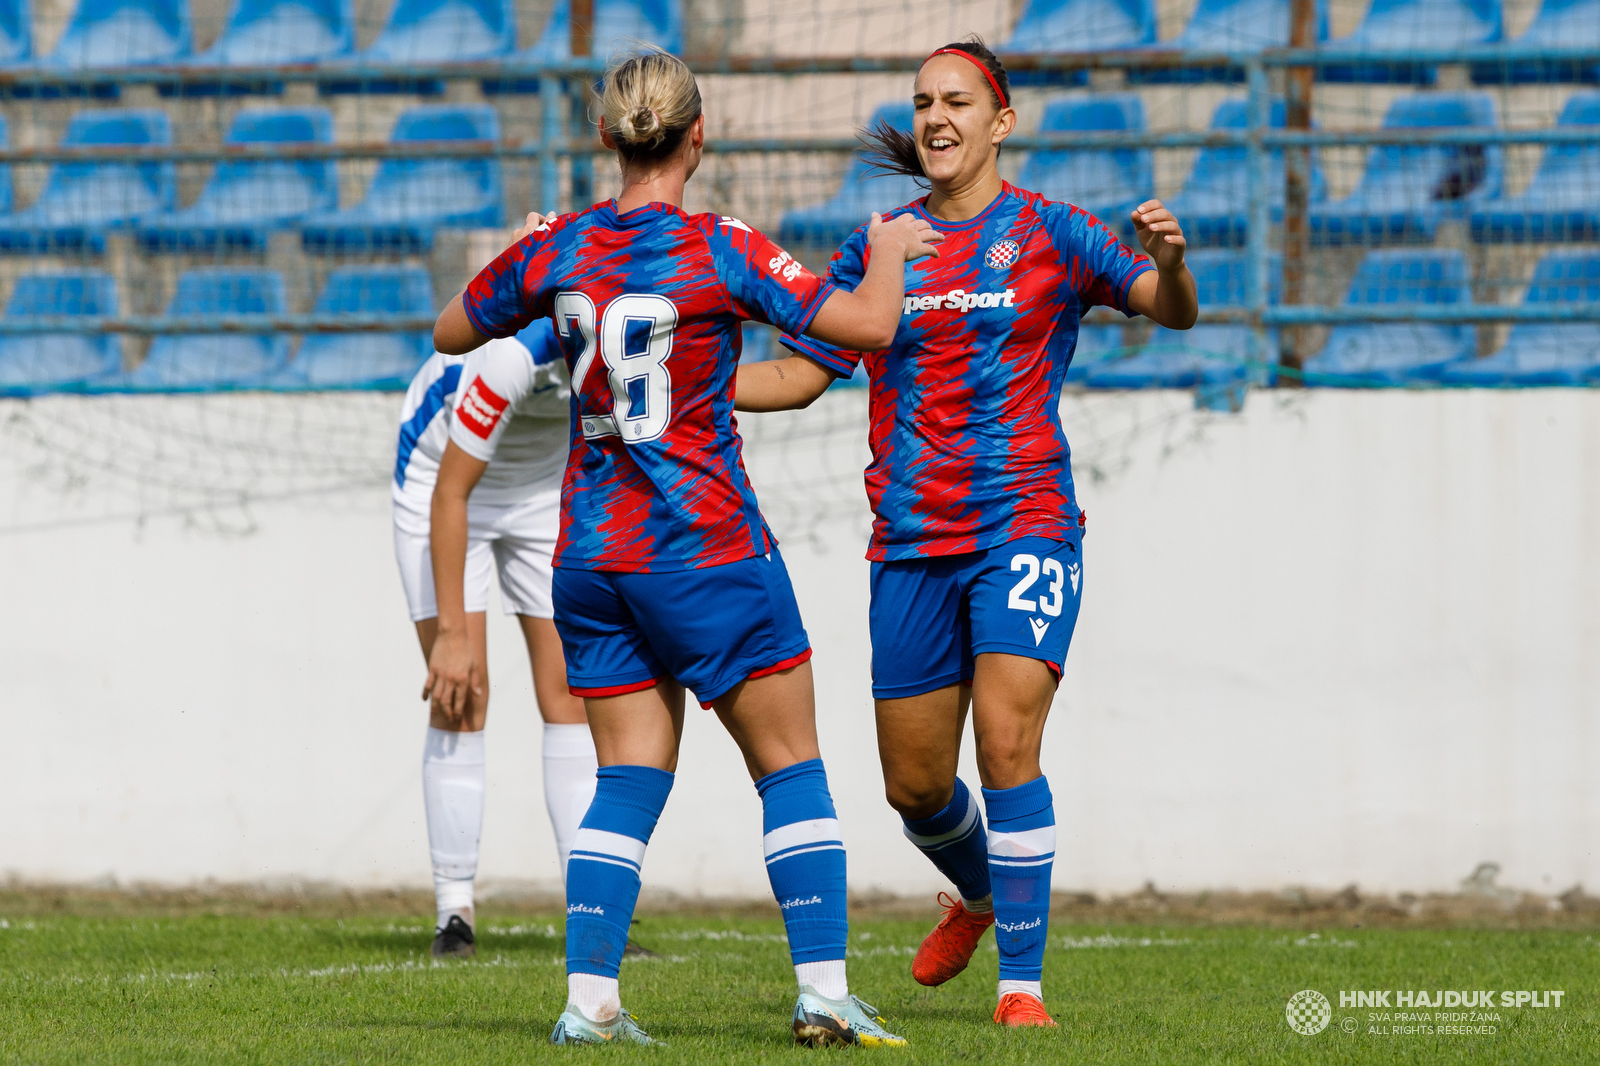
(709, 628)
(931, 617)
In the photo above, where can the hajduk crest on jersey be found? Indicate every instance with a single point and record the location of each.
(1002, 254)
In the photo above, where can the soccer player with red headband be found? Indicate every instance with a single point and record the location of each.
(977, 545)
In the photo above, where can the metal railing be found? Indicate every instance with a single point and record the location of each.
(568, 80)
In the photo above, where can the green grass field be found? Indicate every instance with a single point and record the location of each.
(289, 986)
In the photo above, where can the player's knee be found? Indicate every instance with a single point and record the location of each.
(918, 798)
(1008, 761)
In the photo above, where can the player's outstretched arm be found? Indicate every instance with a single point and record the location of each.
(1165, 295)
(779, 384)
(452, 669)
(866, 320)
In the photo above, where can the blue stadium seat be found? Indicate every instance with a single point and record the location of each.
(1397, 25)
(1240, 27)
(1206, 355)
(365, 360)
(616, 22)
(409, 198)
(1393, 354)
(42, 362)
(120, 33)
(1540, 353)
(862, 193)
(433, 31)
(1562, 203)
(208, 362)
(1078, 26)
(1559, 24)
(243, 202)
(264, 32)
(1108, 184)
(1214, 203)
(1408, 190)
(16, 32)
(80, 201)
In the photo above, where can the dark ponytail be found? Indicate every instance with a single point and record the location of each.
(891, 151)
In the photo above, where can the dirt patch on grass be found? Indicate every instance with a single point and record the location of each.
(1478, 905)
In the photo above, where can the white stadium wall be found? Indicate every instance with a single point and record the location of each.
(1341, 637)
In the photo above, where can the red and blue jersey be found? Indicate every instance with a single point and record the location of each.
(648, 306)
(967, 446)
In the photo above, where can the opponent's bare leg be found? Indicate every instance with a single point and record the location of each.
(477, 709)
(556, 705)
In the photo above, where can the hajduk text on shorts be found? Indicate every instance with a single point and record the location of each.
(1451, 998)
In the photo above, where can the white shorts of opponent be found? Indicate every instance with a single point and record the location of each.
(517, 540)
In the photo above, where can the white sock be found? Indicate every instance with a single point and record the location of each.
(452, 795)
(825, 978)
(594, 995)
(569, 768)
(1032, 988)
(979, 906)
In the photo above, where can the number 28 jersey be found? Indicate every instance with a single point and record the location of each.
(648, 306)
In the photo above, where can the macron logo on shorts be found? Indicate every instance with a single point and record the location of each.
(480, 408)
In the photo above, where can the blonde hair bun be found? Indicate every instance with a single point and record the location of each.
(649, 102)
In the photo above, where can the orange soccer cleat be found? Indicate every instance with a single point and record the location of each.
(949, 948)
(1021, 1011)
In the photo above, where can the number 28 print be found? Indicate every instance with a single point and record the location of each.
(634, 340)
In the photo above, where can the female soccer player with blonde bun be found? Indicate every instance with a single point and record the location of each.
(977, 546)
(666, 574)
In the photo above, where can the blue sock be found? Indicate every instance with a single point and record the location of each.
(1022, 848)
(805, 860)
(603, 872)
(955, 841)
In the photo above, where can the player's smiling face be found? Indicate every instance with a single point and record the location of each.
(957, 126)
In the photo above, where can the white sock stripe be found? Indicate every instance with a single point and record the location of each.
(616, 845)
(811, 831)
(584, 856)
(1023, 843)
(1042, 860)
(969, 822)
(832, 845)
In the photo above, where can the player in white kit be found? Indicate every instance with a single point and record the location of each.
(500, 515)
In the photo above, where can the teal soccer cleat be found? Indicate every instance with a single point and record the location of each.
(820, 1022)
(574, 1028)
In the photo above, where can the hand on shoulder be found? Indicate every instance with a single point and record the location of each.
(907, 234)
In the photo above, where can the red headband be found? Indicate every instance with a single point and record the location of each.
(975, 61)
